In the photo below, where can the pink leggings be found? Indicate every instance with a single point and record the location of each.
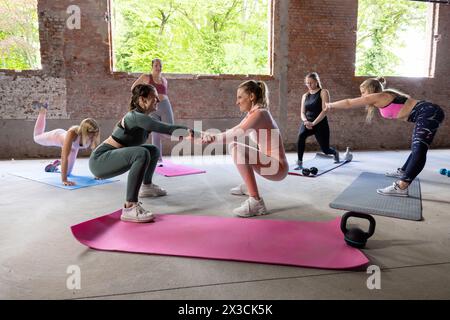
(249, 159)
(54, 138)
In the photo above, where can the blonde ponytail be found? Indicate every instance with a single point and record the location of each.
(372, 85)
(259, 89)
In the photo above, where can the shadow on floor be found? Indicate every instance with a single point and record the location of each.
(381, 244)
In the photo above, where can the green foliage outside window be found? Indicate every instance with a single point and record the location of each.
(380, 24)
(19, 35)
(192, 36)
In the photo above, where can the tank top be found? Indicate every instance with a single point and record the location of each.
(161, 87)
(313, 105)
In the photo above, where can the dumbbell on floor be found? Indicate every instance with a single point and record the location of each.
(311, 171)
(445, 172)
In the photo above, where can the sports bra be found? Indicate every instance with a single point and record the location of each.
(393, 108)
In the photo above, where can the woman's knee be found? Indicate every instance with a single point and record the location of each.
(302, 136)
(273, 174)
(419, 146)
(142, 154)
(328, 150)
(232, 147)
(153, 150)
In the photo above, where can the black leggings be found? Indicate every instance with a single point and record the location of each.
(322, 133)
(427, 117)
(107, 162)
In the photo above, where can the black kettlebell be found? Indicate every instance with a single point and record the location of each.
(356, 237)
(312, 170)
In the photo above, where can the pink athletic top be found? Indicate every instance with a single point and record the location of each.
(161, 87)
(256, 120)
(392, 109)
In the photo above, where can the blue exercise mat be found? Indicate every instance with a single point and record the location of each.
(54, 179)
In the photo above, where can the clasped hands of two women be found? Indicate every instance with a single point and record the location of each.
(199, 137)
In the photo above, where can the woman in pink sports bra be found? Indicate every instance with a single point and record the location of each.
(256, 146)
(393, 104)
(164, 112)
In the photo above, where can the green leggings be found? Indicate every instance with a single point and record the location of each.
(107, 161)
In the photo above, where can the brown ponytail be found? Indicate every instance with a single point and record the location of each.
(141, 90)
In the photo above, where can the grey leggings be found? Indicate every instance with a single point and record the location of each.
(107, 162)
(163, 113)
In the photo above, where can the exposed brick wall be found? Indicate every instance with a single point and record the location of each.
(323, 39)
(308, 35)
(19, 92)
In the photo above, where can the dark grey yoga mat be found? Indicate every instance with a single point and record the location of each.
(322, 162)
(361, 196)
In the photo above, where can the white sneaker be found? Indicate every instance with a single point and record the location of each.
(240, 190)
(348, 156)
(136, 214)
(393, 190)
(251, 207)
(151, 190)
(395, 174)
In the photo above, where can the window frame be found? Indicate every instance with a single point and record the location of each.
(431, 38)
(187, 76)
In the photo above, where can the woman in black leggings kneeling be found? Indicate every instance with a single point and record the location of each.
(313, 114)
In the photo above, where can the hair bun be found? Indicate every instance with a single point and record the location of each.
(381, 80)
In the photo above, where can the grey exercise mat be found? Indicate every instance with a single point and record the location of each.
(322, 162)
(361, 196)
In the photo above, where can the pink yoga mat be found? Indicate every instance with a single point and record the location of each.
(170, 169)
(297, 243)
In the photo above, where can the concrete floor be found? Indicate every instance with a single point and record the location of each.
(36, 245)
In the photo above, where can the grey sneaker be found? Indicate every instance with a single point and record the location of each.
(395, 174)
(336, 157)
(151, 190)
(136, 214)
(393, 190)
(240, 190)
(299, 165)
(251, 207)
(37, 105)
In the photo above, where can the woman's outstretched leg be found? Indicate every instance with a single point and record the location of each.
(54, 138)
